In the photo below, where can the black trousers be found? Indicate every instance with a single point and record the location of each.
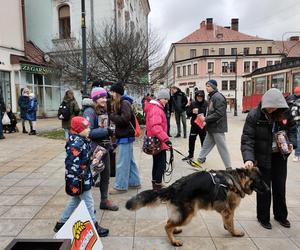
(276, 179)
(159, 166)
(195, 131)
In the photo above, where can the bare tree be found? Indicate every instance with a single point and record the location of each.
(112, 55)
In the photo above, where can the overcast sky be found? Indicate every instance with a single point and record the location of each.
(175, 19)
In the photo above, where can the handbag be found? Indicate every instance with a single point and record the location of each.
(97, 165)
(151, 145)
(136, 128)
(74, 191)
(282, 142)
(5, 119)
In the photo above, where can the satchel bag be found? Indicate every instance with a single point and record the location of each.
(74, 191)
(151, 145)
(5, 119)
(282, 142)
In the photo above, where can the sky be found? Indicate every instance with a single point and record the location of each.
(172, 20)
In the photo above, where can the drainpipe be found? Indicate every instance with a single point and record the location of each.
(92, 18)
(23, 23)
(115, 21)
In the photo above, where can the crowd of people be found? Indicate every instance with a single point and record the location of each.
(107, 121)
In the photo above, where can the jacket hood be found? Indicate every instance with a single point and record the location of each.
(199, 93)
(87, 102)
(273, 98)
(148, 105)
(127, 97)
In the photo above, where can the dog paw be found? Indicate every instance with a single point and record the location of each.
(177, 243)
(225, 227)
(177, 231)
(238, 234)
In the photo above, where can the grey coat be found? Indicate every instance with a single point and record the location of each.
(216, 118)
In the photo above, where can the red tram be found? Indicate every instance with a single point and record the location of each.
(285, 76)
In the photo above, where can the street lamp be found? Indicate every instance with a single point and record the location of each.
(84, 64)
(236, 83)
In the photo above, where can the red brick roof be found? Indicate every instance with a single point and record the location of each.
(33, 55)
(290, 48)
(218, 34)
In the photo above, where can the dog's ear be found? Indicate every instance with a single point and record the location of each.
(235, 183)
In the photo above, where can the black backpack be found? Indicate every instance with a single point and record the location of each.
(64, 112)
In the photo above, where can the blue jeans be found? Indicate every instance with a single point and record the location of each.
(66, 133)
(127, 173)
(297, 150)
(74, 202)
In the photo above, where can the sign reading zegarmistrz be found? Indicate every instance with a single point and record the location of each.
(35, 69)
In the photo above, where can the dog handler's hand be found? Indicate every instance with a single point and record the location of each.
(169, 144)
(290, 148)
(248, 164)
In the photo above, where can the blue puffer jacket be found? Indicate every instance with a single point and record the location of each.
(78, 161)
(23, 104)
(32, 108)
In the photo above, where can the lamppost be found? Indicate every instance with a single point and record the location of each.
(236, 83)
(84, 64)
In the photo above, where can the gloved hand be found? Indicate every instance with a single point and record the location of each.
(169, 144)
(110, 131)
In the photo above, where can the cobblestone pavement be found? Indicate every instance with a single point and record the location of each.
(32, 198)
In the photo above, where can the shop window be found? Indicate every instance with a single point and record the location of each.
(278, 82)
(260, 85)
(64, 22)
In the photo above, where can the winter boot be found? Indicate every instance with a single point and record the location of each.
(58, 226)
(24, 131)
(32, 132)
(102, 232)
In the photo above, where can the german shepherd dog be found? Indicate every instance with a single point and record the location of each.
(219, 190)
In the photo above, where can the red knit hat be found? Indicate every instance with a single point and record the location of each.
(297, 90)
(79, 123)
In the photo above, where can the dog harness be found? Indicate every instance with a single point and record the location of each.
(219, 187)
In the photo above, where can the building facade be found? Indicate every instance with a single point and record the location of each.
(22, 64)
(220, 53)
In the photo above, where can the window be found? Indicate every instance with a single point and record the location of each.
(254, 65)
(232, 85)
(258, 50)
(210, 67)
(233, 51)
(278, 82)
(224, 85)
(64, 22)
(270, 50)
(246, 51)
(232, 67)
(269, 63)
(260, 85)
(195, 69)
(193, 53)
(178, 71)
(276, 62)
(246, 67)
(221, 51)
(189, 67)
(205, 52)
(224, 67)
(184, 70)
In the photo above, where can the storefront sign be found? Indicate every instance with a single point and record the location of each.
(191, 84)
(35, 69)
(183, 84)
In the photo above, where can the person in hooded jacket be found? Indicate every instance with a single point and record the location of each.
(23, 103)
(94, 110)
(259, 147)
(127, 174)
(31, 113)
(70, 100)
(156, 126)
(197, 107)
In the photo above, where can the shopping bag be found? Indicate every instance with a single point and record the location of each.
(5, 119)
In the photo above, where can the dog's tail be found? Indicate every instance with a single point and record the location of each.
(146, 198)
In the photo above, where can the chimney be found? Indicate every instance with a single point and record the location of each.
(235, 24)
(209, 23)
(294, 38)
(202, 24)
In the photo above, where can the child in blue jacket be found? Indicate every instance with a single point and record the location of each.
(78, 175)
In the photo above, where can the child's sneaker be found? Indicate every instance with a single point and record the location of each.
(196, 164)
(296, 158)
(58, 226)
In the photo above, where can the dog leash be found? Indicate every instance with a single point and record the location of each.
(169, 169)
(190, 161)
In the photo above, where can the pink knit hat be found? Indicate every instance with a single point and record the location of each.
(98, 92)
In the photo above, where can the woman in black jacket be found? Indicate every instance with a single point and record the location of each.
(258, 146)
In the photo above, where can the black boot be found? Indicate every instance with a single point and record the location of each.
(102, 232)
(24, 131)
(32, 132)
(58, 226)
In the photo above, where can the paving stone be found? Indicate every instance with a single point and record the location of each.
(4, 241)
(50, 212)
(38, 200)
(12, 227)
(19, 190)
(146, 243)
(122, 227)
(29, 183)
(253, 229)
(117, 243)
(265, 243)
(234, 243)
(22, 212)
(40, 228)
(9, 199)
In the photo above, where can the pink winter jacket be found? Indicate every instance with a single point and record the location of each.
(156, 122)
